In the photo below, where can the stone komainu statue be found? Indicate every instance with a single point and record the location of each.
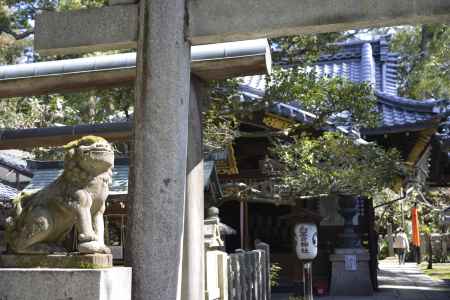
(77, 197)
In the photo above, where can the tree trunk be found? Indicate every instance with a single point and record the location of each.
(444, 246)
(430, 252)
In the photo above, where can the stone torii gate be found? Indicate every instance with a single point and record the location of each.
(166, 111)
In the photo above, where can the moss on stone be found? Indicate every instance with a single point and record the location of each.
(21, 198)
(85, 141)
(55, 261)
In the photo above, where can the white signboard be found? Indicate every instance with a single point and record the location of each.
(350, 263)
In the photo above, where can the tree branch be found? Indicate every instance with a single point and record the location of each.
(20, 35)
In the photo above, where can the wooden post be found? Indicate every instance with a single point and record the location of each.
(307, 280)
(444, 246)
(246, 231)
(160, 150)
(373, 241)
(390, 240)
(242, 222)
(17, 180)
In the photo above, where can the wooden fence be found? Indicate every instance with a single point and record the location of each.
(249, 274)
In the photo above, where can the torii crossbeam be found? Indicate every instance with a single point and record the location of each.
(216, 21)
(166, 104)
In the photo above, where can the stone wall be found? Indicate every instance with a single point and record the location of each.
(439, 242)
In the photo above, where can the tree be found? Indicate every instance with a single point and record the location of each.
(323, 97)
(425, 60)
(316, 158)
(16, 33)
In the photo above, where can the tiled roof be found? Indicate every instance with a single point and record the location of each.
(46, 172)
(401, 114)
(7, 193)
(397, 113)
(292, 112)
(253, 86)
(360, 61)
(16, 163)
(357, 59)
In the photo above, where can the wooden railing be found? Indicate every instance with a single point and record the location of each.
(248, 274)
(243, 275)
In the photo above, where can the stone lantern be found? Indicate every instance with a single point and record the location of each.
(350, 275)
(348, 239)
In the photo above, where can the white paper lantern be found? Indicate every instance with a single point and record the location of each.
(306, 241)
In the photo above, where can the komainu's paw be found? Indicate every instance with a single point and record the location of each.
(93, 247)
(87, 237)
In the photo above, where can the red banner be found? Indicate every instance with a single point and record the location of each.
(415, 227)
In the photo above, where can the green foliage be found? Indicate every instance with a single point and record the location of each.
(440, 271)
(274, 275)
(16, 27)
(304, 49)
(384, 250)
(323, 96)
(425, 63)
(220, 118)
(315, 161)
(68, 109)
(335, 163)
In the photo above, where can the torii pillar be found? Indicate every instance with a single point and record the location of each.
(160, 149)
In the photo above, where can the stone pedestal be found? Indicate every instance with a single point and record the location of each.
(84, 261)
(74, 284)
(350, 275)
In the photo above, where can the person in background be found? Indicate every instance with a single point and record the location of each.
(401, 244)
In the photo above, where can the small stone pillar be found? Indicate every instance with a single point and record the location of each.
(266, 269)
(350, 274)
(216, 261)
(213, 240)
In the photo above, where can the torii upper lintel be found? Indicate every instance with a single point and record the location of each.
(214, 21)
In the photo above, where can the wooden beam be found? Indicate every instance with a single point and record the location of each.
(59, 136)
(80, 81)
(66, 83)
(214, 21)
(208, 62)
